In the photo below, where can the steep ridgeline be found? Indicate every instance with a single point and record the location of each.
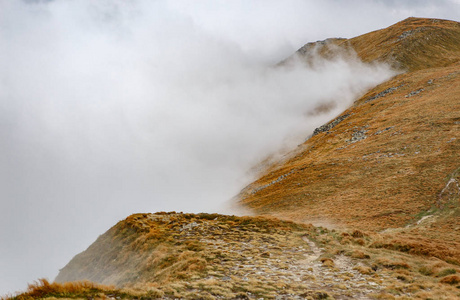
(391, 161)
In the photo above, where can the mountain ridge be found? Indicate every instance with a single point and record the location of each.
(412, 100)
(409, 45)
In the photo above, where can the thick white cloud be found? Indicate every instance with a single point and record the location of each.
(113, 107)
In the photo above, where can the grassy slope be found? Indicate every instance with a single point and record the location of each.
(412, 44)
(393, 177)
(180, 254)
(209, 256)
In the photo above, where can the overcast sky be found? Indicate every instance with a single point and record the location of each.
(112, 107)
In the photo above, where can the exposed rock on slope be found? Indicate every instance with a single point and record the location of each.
(386, 160)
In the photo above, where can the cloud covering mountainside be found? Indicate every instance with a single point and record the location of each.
(111, 108)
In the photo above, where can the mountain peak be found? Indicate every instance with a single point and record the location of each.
(409, 45)
(412, 44)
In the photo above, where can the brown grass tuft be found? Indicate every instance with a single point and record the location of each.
(393, 264)
(364, 270)
(451, 279)
(446, 271)
(327, 262)
(357, 234)
(359, 254)
(43, 288)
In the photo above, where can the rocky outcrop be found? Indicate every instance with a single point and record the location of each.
(330, 125)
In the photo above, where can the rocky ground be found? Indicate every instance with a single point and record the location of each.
(210, 256)
(275, 266)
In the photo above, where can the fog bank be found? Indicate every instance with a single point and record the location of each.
(109, 108)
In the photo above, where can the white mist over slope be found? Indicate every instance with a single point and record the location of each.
(113, 107)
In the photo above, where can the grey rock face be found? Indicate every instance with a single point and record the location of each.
(413, 93)
(359, 134)
(383, 93)
(330, 125)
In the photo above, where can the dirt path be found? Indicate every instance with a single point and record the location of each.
(297, 271)
(341, 277)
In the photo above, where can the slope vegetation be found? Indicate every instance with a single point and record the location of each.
(391, 161)
(412, 44)
(209, 256)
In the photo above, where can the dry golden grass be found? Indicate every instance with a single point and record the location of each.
(404, 275)
(44, 289)
(412, 44)
(451, 279)
(185, 254)
(249, 258)
(400, 172)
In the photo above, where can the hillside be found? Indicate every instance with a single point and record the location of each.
(380, 183)
(410, 45)
(208, 256)
(392, 159)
